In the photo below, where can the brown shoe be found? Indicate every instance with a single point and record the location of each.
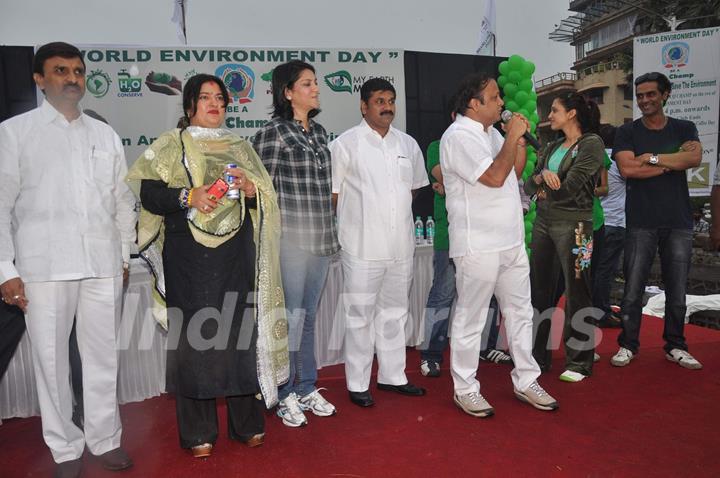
(68, 469)
(115, 460)
(256, 440)
(202, 451)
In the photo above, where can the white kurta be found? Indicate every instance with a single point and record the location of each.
(67, 221)
(374, 177)
(486, 241)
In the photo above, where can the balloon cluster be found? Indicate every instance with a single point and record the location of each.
(529, 221)
(516, 82)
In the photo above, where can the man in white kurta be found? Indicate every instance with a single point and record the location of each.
(376, 168)
(66, 226)
(486, 242)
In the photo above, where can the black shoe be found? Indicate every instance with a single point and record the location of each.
(496, 356)
(68, 469)
(115, 460)
(407, 389)
(362, 399)
(429, 368)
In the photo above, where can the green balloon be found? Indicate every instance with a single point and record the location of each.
(534, 118)
(533, 127)
(533, 206)
(521, 97)
(531, 156)
(527, 69)
(511, 106)
(510, 89)
(526, 84)
(516, 62)
(524, 113)
(530, 105)
(504, 67)
(502, 80)
(514, 76)
(532, 95)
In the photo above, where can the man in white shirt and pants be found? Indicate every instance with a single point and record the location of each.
(66, 226)
(486, 242)
(376, 170)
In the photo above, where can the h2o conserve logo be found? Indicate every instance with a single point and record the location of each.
(130, 82)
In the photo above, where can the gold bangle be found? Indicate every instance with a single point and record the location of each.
(189, 199)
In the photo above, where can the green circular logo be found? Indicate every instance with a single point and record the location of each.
(98, 83)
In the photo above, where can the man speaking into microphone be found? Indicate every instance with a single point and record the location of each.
(486, 241)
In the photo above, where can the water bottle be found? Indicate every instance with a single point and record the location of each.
(419, 231)
(430, 230)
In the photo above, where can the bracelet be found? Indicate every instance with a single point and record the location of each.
(184, 198)
(189, 199)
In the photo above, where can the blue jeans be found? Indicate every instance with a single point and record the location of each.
(605, 260)
(437, 311)
(675, 248)
(303, 277)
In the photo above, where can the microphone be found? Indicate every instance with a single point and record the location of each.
(506, 116)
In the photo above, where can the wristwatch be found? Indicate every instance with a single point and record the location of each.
(654, 160)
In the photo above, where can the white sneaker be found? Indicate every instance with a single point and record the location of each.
(317, 404)
(536, 396)
(683, 358)
(290, 412)
(622, 357)
(572, 376)
(474, 404)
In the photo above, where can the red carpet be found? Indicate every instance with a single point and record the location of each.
(652, 418)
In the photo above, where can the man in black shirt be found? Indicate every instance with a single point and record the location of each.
(653, 153)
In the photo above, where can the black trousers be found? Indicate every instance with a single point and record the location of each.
(562, 249)
(197, 419)
(12, 328)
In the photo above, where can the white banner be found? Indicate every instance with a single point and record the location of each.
(138, 90)
(691, 60)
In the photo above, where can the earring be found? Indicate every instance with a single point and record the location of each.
(287, 98)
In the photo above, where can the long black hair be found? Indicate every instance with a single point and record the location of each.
(586, 111)
(284, 77)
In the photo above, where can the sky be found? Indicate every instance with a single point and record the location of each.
(527, 34)
(449, 26)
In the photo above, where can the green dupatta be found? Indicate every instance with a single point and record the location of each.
(206, 153)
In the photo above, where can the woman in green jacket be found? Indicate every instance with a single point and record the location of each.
(564, 184)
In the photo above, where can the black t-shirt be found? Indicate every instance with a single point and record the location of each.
(662, 201)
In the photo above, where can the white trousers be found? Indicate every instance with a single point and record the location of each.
(376, 305)
(96, 305)
(478, 276)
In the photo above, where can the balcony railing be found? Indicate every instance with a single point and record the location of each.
(557, 77)
(599, 68)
